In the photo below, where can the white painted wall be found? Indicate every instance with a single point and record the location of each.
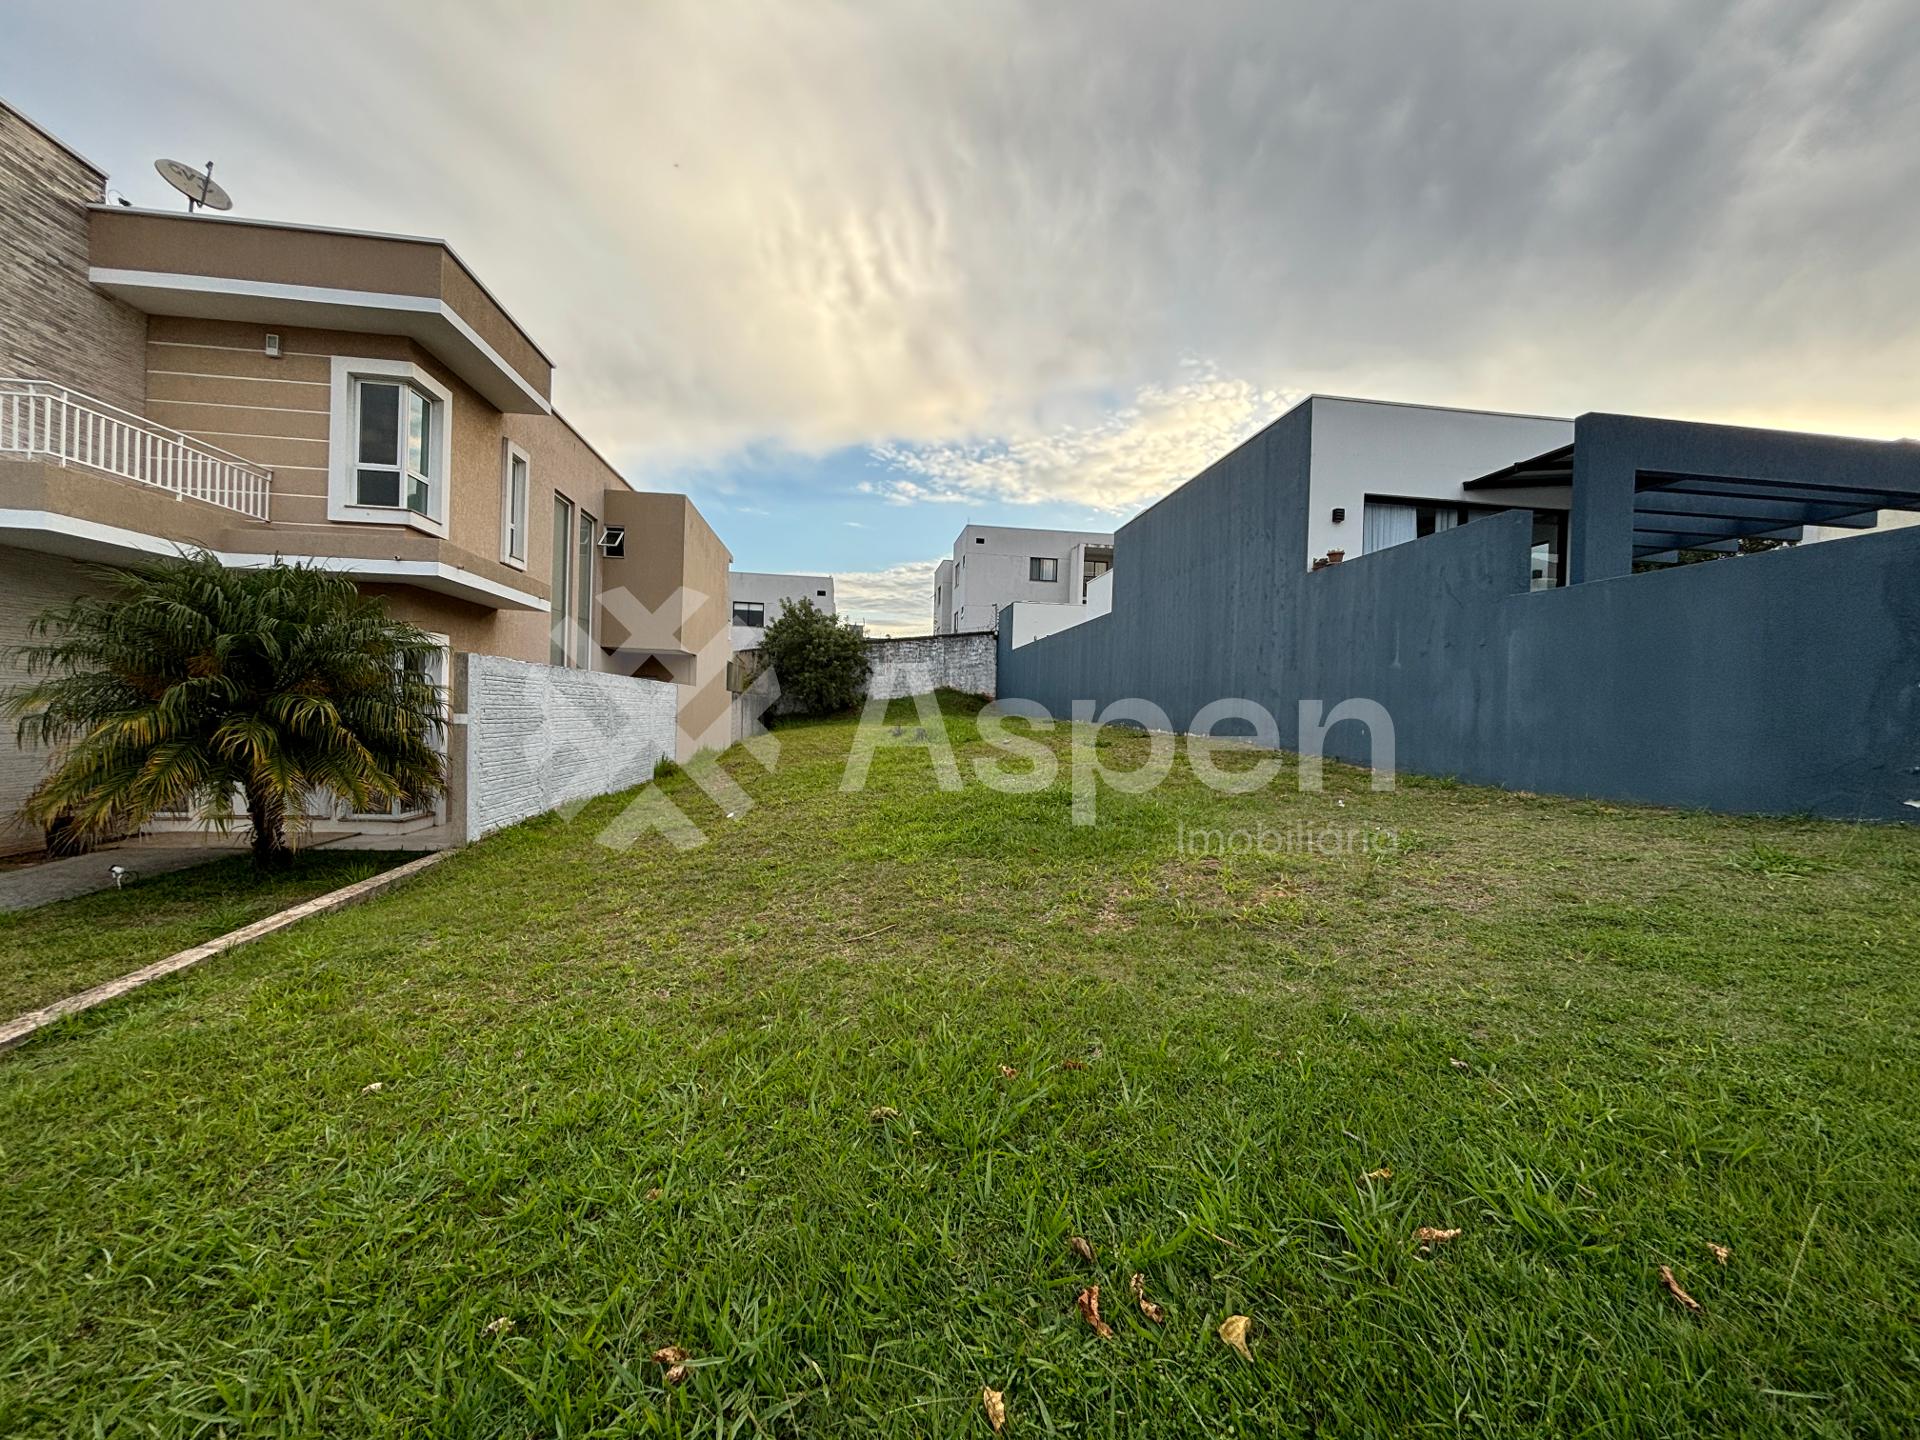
(1377, 447)
(991, 565)
(943, 597)
(1030, 622)
(1889, 520)
(770, 590)
(538, 738)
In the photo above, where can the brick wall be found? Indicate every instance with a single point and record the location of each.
(538, 738)
(32, 583)
(53, 324)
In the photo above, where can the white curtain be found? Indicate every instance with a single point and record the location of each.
(1383, 525)
(1445, 517)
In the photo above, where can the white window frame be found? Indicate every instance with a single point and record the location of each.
(343, 447)
(560, 586)
(512, 524)
(586, 578)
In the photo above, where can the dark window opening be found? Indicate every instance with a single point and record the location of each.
(1043, 568)
(750, 613)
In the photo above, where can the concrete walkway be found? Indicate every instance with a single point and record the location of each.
(21, 1026)
(42, 884)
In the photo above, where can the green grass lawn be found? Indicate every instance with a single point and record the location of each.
(61, 949)
(627, 1100)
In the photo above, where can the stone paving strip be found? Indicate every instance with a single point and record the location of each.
(34, 1021)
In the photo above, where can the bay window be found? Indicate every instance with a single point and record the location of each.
(388, 445)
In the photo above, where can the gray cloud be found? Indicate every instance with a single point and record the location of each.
(975, 236)
(895, 601)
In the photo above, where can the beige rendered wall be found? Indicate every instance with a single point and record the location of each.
(29, 583)
(213, 379)
(664, 609)
(54, 325)
(237, 249)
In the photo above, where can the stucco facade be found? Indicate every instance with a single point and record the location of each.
(174, 380)
(1777, 682)
(994, 566)
(756, 598)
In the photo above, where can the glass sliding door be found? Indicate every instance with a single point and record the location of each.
(562, 577)
(586, 549)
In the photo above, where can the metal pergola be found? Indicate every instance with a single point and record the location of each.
(1676, 512)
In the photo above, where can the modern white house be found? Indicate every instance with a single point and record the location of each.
(757, 597)
(1383, 472)
(994, 566)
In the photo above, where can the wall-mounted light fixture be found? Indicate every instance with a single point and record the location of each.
(1339, 514)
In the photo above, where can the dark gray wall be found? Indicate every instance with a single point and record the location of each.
(1775, 683)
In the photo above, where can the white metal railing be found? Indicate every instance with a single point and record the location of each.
(42, 420)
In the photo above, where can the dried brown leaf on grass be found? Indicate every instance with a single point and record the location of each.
(995, 1402)
(1431, 1235)
(1073, 1064)
(1385, 1172)
(1720, 1252)
(1687, 1302)
(882, 1112)
(1081, 1247)
(675, 1359)
(374, 1089)
(1089, 1302)
(1007, 1072)
(499, 1326)
(1233, 1330)
(1152, 1311)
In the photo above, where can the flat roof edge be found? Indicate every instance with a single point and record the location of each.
(1444, 409)
(201, 218)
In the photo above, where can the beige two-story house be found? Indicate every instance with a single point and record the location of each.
(362, 401)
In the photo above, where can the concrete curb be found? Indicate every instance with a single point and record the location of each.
(22, 1026)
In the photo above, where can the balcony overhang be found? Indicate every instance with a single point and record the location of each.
(78, 538)
(294, 275)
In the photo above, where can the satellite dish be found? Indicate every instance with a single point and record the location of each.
(196, 185)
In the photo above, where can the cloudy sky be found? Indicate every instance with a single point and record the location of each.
(853, 274)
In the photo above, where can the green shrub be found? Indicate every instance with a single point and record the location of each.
(820, 660)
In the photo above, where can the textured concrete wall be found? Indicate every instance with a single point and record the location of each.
(29, 583)
(53, 324)
(920, 664)
(1775, 683)
(537, 738)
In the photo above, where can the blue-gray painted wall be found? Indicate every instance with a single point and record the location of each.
(1779, 683)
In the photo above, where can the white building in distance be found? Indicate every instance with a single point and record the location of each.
(994, 566)
(756, 600)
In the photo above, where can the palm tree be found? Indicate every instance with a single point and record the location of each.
(188, 681)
